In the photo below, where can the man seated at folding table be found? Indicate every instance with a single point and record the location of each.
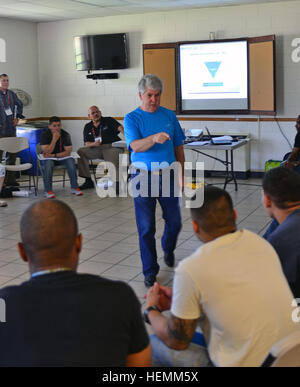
(57, 147)
(2, 175)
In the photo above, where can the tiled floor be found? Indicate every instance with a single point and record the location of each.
(108, 226)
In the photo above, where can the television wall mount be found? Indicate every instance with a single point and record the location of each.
(98, 76)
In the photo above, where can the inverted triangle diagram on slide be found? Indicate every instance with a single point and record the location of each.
(213, 67)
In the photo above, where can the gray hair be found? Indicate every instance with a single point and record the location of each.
(150, 81)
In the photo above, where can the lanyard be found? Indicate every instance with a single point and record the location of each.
(94, 133)
(60, 143)
(38, 273)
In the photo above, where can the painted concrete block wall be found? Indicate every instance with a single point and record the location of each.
(66, 92)
(22, 60)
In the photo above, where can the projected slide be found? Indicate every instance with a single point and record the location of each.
(214, 76)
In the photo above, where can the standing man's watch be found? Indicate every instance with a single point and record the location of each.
(146, 312)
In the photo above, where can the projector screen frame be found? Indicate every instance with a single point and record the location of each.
(212, 111)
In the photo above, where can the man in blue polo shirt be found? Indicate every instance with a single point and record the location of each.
(281, 200)
(155, 138)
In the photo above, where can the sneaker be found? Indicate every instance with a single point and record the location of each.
(2, 203)
(150, 281)
(169, 259)
(87, 184)
(76, 191)
(49, 195)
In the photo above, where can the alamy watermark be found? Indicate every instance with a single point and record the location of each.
(164, 180)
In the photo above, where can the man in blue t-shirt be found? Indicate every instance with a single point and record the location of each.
(155, 138)
(281, 200)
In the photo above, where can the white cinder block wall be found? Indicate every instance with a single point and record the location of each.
(66, 92)
(22, 60)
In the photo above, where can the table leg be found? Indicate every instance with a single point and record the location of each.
(232, 170)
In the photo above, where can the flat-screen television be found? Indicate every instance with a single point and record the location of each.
(214, 76)
(101, 52)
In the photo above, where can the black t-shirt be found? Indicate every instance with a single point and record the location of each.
(297, 140)
(64, 140)
(70, 319)
(108, 130)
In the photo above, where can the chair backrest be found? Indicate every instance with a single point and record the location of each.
(285, 353)
(13, 144)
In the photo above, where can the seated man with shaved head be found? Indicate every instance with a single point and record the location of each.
(60, 317)
(98, 135)
(281, 200)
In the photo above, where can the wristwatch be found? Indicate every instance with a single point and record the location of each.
(146, 312)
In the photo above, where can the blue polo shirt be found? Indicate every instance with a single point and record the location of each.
(285, 240)
(140, 124)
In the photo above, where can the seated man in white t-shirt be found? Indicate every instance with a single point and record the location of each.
(233, 283)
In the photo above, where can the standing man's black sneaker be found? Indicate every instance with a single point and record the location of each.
(169, 259)
(87, 184)
(150, 281)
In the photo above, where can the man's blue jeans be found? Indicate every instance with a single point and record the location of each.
(48, 166)
(145, 218)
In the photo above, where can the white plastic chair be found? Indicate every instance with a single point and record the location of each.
(15, 145)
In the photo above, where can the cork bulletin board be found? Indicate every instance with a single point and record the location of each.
(161, 61)
(262, 74)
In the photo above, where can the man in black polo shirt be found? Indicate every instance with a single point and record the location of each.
(57, 147)
(98, 135)
(293, 158)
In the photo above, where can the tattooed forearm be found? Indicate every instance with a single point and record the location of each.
(181, 330)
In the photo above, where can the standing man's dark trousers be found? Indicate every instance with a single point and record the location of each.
(145, 208)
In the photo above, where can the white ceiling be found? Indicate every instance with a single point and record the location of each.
(51, 10)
